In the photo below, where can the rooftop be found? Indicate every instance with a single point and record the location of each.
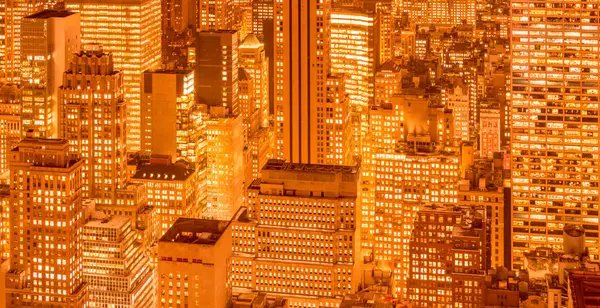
(114, 222)
(281, 165)
(45, 14)
(172, 172)
(200, 231)
(251, 41)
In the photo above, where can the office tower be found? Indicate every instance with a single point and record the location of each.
(261, 10)
(178, 23)
(91, 100)
(242, 21)
(216, 76)
(14, 12)
(131, 31)
(194, 262)
(301, 40)
(171, 188)
(388, 81)
(301, 238)
(246, 98)
(489, 130)
(4, 227)
(48, 39)
(47, 219)
(441, 12)
(353, 52)
(214, 15)
(168, 114)
(114, 266)
(10, 122)
(456, 98)
(225, 164)
(445, 241)
(489, 197)
(334, 134)
(384, 34)
(554, 133)
(405, 180)
(252, 58)
(259, 151)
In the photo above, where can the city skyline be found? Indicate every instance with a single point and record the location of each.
(299, 153)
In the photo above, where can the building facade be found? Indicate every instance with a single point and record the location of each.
(554, 124)
(92, 117)
(49, 38)
(131, 31)
(47, 218)
(315, 211)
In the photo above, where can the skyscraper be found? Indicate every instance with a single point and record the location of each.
(131, 31)
(300, 238)
(47, 217)
(115, 267)
(301, 40)
(225, 141)
(178, 25)
(216, 74)
(252, 58)
(10, 122)
(91, 101)
(261, 10)
(168, 114)
(353, 52)
(554, 133)
(171, 188)
(194, 263)
(48, 39)
(14, 12)
(214, 15)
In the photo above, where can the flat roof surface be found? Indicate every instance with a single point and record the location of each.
(45, 14)
(172, 172)
(195, 231)
(114, 222)
(281, 165)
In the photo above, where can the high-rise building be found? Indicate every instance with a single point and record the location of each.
(353, 52)
(194, 263)
(301, 40)
(168, 114)
(216, 76)
(388, 81)
(48, 38)
(214, 15)
(456, 98)
(131, 31)
(489, 130)
(4, 227)
(178, 23)
(334, 134)
(261, 10)
(554, 125)
(404, 181)
(10, 122)
(46, 218)
(301, 236)
(91, 100)
(384, 34)
(114, 266)
(225, 136)
(171, 188)
(252, 58)
(12, 16)
(441, 12)
(446, 240)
